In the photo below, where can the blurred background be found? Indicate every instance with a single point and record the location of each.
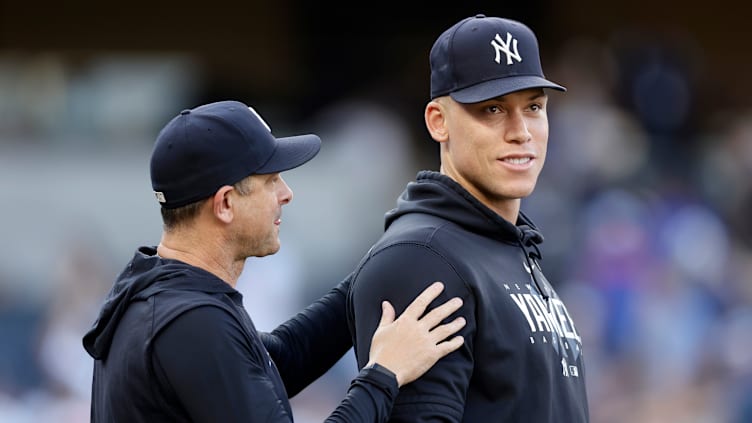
(644, 202)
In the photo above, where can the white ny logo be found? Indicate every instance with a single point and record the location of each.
(502, 46)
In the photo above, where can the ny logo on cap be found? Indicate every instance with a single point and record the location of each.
(502, 46)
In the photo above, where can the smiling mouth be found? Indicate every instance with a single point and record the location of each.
(517, 160)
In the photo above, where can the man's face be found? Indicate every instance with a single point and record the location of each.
(259, 215)
(496, 149)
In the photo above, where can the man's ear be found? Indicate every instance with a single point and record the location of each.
(435, 116)
(222, 204)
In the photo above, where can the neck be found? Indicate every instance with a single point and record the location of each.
(508, 208)
(202, 254)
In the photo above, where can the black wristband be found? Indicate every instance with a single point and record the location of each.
(381, 369)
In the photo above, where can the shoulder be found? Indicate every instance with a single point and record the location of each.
(418, 233)
(207, 330)
(193, 306)
(400, 270)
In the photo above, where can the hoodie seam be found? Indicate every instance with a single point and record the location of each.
(419, 244)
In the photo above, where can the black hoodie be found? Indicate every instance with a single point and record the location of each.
(522, 360)
(173, 343)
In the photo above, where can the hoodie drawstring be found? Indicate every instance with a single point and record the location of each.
(529, 240)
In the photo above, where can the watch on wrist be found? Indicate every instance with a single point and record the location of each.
(379, 368)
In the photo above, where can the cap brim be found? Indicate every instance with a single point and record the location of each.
(291, 152)
(502, 86)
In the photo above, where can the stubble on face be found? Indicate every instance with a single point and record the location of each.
(259, 211)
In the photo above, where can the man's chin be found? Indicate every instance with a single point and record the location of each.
(267, 252)
(518, 193)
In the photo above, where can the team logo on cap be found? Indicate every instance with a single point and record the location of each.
(502, 46)
(160, 196)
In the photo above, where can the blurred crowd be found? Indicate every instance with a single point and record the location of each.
(644, 204)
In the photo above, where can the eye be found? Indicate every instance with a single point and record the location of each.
(493, 109)
(536, 107)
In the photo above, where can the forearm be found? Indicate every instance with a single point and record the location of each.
(312, 341)
(370, 398)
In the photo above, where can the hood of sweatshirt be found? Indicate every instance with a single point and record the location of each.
(437, 194)
(145, 275)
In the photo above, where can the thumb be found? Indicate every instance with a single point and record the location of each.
(387, 313)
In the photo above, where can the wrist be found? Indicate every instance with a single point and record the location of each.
(383, 370)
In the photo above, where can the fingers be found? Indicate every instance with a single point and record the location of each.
(387, 313)
(435, 316)
(442, 332)
(411, 344)
(421, 302)
(450, 345)
(442, 312)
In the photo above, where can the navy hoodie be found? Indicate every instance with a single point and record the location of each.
(173, 343)
(522, 360)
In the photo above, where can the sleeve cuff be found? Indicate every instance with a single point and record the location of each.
(382, 377)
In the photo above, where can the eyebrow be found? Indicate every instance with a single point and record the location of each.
(538, 95)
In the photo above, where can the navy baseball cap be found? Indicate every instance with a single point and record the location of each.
(480, 58)
(217, 144)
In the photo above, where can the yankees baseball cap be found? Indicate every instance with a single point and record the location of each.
(217, 144)
(480, 58)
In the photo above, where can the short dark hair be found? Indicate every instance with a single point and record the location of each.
(172, 218)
